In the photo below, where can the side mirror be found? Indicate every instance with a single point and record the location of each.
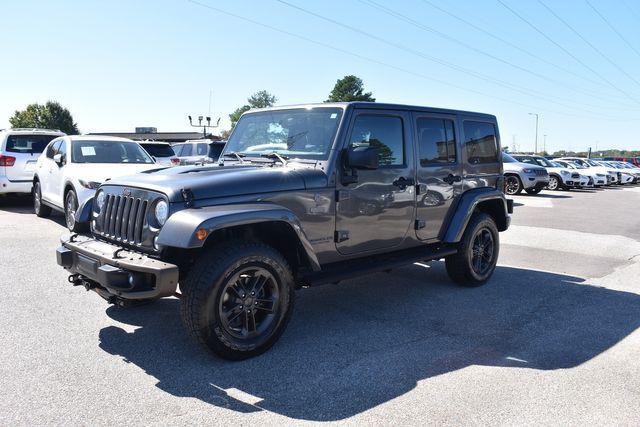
(58, 159)
(364, 157)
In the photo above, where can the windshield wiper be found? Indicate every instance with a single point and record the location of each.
(238, 156)
(276, 156)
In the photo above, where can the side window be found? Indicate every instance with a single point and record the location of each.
(525, 160)
(62, 149)
(53, 148)
(436, 141)
(383, 132)
(201, 149)
(186, 150)
(481, 142)
(177, 149)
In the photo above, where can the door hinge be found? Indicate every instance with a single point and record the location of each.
(341, 236)
(420, 224)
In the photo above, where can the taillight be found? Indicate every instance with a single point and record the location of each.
(7, 160)
(175, 161)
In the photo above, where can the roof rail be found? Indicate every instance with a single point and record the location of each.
(36, 129)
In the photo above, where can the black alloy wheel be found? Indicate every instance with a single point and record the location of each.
(482, 252)
(512, 185)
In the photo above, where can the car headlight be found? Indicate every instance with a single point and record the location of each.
(565, 172)
(527, 170)
(162, 212)
(100, 199)
(91, 185)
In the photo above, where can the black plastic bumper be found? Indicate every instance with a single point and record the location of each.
(122, 273)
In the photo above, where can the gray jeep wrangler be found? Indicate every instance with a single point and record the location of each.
(301, 195)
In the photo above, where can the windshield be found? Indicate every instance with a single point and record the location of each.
(556, 165)
(591, 162)
(108, 152)
(543, 162)
(29, 144)
(508, 159)
(305, 133)
(158, 150)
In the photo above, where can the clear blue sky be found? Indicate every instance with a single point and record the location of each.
(119, 64)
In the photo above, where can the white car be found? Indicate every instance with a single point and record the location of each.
(560, 177)
(624, 177)
(588, 178)
(162, 152)
(71, 168)
(612, 176)
(19, 151)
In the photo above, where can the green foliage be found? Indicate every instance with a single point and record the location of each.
(260, 99)
(50, 116)
(349, 88)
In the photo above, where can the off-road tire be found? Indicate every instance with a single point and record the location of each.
(204, 290)
(39, 208)
(459, 266)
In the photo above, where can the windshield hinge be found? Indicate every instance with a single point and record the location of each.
(187, 195)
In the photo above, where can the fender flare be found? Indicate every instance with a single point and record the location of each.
(180, 229)
(464, 208)
(83, 214)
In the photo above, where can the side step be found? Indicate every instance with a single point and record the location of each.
(344, 270)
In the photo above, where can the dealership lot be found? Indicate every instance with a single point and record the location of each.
(552, 339)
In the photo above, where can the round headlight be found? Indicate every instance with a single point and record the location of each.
(162, 212)
(100, 198)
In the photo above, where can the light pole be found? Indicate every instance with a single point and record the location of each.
(537, 117)
(203, 126)
(544, 143)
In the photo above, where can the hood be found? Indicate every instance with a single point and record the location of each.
(223, 181)
(102, 172)
(518, 166)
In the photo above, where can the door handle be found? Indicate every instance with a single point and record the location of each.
(451, 178)
(402, 182)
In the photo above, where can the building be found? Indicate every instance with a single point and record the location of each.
(152, 134)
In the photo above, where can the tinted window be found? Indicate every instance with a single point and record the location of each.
(202, 149)
(480, 140)
(215, 150)
(159, 150)
(382, 132)
(508, 159)
(187, 149)
(436, 141)
(30, 144)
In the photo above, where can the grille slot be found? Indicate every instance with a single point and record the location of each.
(541, 172)
(124, 218)
(575, 175)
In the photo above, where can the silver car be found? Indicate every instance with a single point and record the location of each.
(522, 176)
(19, 151)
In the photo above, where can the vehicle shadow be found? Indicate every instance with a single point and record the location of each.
(551, 196)
(24, 205)
(356, 345)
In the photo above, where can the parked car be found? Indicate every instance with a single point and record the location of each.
(162, 152)
(71, 168)
(633, 160)
(240, 237)
(595, 179)
(19, 151)
(632, 169)
(612, 175)
(560, 177)
(522, 176)
(199, 151)
(624, 176)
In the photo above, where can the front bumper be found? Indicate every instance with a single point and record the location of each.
(115, 271)
(538, 182)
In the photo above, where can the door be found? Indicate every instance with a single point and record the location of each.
(45, 171)
(439, 171)
(57, 174)
(377, 211)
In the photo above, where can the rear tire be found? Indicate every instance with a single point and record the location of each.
(39, 208)
(477, 254)
(238, 299)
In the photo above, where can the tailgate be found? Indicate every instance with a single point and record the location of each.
(23, 168)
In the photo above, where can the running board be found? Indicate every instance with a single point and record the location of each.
(350, 269)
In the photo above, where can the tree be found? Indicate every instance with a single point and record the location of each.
(260, 99)
(51, 115)
(349, 88)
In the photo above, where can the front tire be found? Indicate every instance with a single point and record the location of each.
(477, 254)
(512, 185)
(39, 208)
(70, 209)
(238, 299)
(554, 183)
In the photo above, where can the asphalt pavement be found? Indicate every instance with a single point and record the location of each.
(552, 339)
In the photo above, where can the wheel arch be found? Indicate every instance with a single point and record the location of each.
(487, 200)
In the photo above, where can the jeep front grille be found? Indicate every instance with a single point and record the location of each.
(124, 218)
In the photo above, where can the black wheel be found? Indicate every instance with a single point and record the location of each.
(554, 183)
(477, 254)
(534, 190)
(70, 209)
(39, 208)
(512, 185)
(238, 298)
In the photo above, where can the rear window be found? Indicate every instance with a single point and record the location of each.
(30, 144)
(481, 142)
(159, 150)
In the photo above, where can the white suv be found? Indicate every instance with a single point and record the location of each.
(72, 167)
(19, 151)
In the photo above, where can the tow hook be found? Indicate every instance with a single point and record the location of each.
(75, 280)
